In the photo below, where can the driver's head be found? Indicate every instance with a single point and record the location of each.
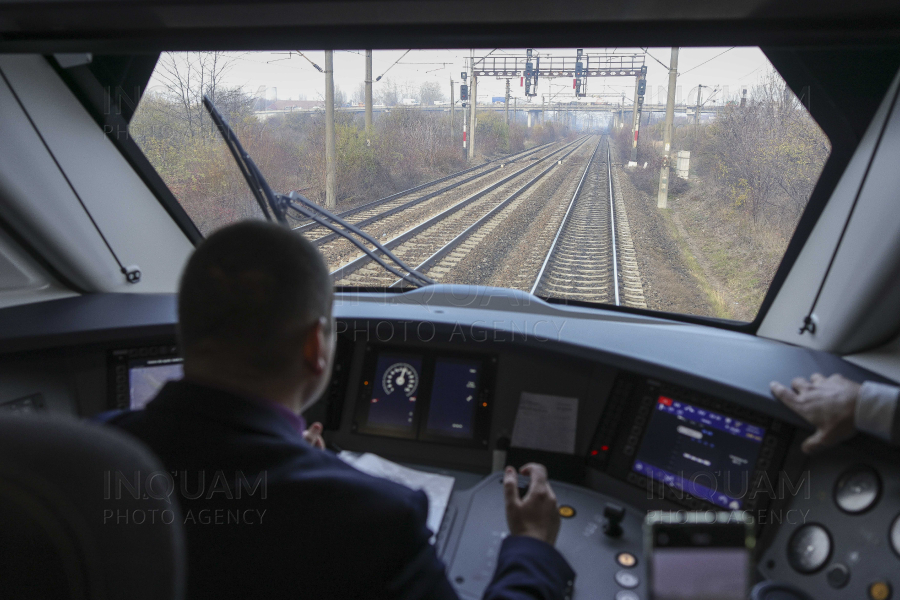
(255, 305)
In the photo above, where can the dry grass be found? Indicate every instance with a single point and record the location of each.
(737, 256)
(714, 296)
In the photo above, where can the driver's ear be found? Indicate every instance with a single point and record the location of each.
(316, 346)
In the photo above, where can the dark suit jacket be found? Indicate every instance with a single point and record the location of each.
(268, 516)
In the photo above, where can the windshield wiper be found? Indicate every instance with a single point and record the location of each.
(279, 204)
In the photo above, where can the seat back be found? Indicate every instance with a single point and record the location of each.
(86, 513)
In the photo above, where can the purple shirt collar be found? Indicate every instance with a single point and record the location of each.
(296, 421)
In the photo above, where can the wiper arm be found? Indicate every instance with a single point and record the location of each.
(280, 204)
(308, 209)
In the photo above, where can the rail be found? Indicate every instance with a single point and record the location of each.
(565, 220)
(459, 239)
(361, 261)
(612, 223)
(368, 205)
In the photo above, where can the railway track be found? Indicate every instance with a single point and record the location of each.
(444, 231)
(385, 222)
(591, 257)
(581, 251)
(370, 212)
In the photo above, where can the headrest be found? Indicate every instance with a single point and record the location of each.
(86, 512)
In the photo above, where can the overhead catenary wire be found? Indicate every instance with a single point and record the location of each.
(647, 52)
(392, 66)
(706, 61)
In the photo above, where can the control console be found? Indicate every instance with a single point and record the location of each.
(601, 540)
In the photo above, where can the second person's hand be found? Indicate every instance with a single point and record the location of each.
(828, 403)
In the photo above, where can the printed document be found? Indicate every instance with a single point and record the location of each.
(546, 423)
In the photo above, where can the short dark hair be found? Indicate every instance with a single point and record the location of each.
(248, 292)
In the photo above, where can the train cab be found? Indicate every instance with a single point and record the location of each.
(585, 236)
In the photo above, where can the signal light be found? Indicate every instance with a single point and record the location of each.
(464, 92)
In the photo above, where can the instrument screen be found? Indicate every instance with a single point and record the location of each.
(428, 396)
(699, 451)
(454, 398)
(394, 393)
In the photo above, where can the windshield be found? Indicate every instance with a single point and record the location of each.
(670, 179)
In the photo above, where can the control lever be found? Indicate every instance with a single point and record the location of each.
(522, 483)
(614, 515)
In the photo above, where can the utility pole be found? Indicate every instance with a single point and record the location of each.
(473, 108)
(663, 197)
(697, 119)
(507, 101)
(368, 92)
(330, 199)
(697, 113)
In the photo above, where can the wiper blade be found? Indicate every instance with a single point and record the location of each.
(280, 204)
(254, 177)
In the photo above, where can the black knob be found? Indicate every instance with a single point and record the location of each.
(614, 515)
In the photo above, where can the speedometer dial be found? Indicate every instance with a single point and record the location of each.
(400, 376)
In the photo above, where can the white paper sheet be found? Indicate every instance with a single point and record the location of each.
(546, 423)
(437, 487)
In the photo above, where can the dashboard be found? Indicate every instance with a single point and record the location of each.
(637, 414)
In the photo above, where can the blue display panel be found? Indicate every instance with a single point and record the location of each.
(147, 377)
(395, 389)
(454, 398)
(701, 452)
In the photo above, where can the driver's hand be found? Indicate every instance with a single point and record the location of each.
(536, 515)
(827, 403)
(313, 436)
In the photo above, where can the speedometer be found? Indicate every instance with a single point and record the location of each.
(400, 376)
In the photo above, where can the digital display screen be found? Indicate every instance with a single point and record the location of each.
(146, 377)
(395, 389)
(700, 452)
(454, 398)
(699, 573)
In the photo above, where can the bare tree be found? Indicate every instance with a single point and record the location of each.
(430, 92)
(768, 154)
(188, 76)
(387, 92)
(359, 95)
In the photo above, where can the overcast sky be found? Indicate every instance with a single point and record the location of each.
(290, 76)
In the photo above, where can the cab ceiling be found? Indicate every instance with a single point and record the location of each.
(152, 25)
